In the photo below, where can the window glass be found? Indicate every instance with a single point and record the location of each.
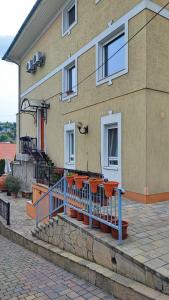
(113, 146)
(71, 146)
(117, 62)
(71, 16)
(71, 78)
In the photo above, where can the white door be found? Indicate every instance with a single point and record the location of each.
(111, 147)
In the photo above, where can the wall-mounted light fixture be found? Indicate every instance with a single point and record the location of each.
(82, 129)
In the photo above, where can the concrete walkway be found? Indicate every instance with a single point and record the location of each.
(148, 240)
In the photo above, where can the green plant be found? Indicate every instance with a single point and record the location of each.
(13, 184)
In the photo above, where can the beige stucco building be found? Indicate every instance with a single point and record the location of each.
(80, 64)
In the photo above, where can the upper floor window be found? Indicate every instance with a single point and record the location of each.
(69, 17)
(69, 81)
(112, 57)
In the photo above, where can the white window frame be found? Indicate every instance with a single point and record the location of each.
(100, 78)
(65, 81)
(68, 163)
(108, 122)
(66, 29)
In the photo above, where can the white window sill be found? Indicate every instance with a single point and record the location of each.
(110, 78)
(70, 165)
(115, 168)
(68, 31)
(67, 98)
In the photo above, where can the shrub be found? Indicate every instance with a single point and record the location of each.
(13, 184)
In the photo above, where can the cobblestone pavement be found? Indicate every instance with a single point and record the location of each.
(25, 275)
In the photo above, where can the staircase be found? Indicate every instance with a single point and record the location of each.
(77, 249)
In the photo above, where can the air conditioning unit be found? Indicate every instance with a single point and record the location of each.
(30, 67)
(39, 59)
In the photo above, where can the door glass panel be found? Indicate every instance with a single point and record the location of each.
(113, 146)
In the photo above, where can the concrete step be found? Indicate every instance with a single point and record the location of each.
(117, 285)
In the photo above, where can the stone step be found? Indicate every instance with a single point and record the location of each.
(117, 285)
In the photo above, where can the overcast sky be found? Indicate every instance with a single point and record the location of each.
(12, 15)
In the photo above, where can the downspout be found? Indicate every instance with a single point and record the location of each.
(19, 113)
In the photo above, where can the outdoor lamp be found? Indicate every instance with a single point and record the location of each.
(82, 129)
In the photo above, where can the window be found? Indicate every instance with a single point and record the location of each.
(69, 145)
(112, 57)
(69, 81)
(69, 17)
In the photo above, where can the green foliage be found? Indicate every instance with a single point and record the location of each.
(7, 132)
(13, 184)
(2, 166)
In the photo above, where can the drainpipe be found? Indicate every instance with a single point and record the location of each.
(19, 115)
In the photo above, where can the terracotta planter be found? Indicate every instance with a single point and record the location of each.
(70, 180)
(105, 228)
(2, 183)
(95, 224)
(79, 216)
(114, 232)
(79, 181)
(109, 187)
(73, 213)
(85, 220)
(94, 182)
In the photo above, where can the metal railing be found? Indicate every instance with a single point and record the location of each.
(5, 211)
(48, 175)
(96, 206)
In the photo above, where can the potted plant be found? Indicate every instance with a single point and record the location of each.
(13, 185)
(79, 181)
(109, 187)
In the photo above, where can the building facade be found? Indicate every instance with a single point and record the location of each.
(99, 98)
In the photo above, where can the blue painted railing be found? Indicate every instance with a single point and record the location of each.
(95, 206)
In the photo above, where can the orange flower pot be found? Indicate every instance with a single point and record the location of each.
(115, 234)
(95, 224)
(2, 183)
(105, 228)
(79, 216)
(109, 187)
(73, 213)
(79, 181)
(70, 180)
(86, 220)
(94, 182)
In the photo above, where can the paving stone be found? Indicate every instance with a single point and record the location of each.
(26, 276)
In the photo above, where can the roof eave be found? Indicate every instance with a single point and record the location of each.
(6, 56)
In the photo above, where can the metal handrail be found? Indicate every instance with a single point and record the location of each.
(48, 192)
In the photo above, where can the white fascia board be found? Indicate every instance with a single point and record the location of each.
(145, 4)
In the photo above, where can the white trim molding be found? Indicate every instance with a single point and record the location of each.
(70, 127)
(145, 4)
(111, 172)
